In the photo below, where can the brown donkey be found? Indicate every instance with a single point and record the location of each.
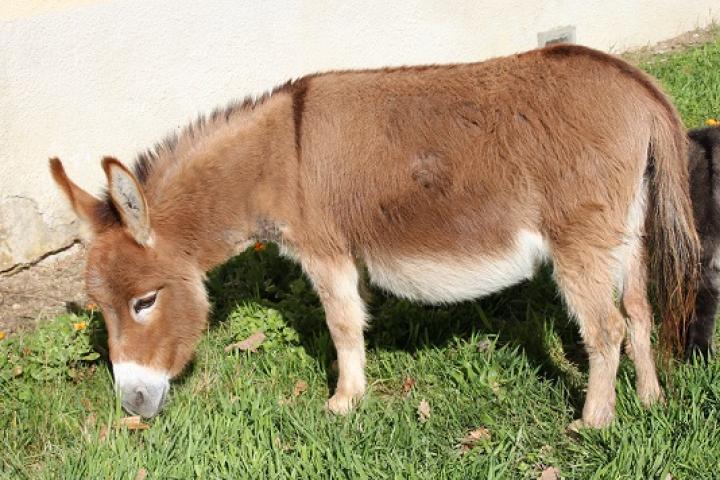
(445, 182)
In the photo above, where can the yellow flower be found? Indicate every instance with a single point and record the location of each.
(80, 326)
(2, 335)
(259, 246)
(712, 122)
(91, 306)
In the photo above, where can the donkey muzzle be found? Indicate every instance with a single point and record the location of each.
(143, 390)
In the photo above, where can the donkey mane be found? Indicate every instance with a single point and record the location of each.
(146, 161)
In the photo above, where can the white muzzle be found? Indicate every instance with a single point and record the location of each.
(143, 390)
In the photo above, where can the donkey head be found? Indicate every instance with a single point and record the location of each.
(149, 289)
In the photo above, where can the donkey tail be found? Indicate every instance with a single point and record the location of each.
(673, 242)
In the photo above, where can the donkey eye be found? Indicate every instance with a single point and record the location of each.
(145, 302)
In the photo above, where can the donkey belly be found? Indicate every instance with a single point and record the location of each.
(442, 277)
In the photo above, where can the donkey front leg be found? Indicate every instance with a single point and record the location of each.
(336, 282)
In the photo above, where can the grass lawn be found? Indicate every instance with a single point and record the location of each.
(508, 369)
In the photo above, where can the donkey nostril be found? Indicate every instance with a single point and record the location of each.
(139, 397)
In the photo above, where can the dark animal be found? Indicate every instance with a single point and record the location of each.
(704, 167)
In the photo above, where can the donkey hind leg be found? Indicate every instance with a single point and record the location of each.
(586, 282)
(637, 308)
(336, 282)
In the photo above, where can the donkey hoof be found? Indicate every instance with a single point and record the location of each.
(702, 351)
(598, 419)
(340, 404)
(650, 395)
(575, 426)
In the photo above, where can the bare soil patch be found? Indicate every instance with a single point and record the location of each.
(682, 42)
(42, 291)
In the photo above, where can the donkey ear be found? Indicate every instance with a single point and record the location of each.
(86, 206)
(128, 198)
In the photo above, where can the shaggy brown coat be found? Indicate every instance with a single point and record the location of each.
(447, 182)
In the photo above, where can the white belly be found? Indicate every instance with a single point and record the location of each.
(443, 278)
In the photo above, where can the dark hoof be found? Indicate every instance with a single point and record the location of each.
(696, 350)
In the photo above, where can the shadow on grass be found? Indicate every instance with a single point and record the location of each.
(530, 315)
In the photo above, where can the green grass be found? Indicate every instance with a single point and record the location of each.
(692, 79)
(510, 363)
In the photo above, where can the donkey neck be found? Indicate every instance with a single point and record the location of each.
(228, 182)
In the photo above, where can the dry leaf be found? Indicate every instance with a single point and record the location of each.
(250, 344)
(300, 387)
(550, 473)
(133, 423)
(474, 437)
(90, 421)
(281, 444)
(484, 345)
(141, 474)
(423, 411)
(88, 426)
(103, 433)
(86, 403)
(17, 371)
(408, 385)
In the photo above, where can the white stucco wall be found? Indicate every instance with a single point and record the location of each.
(81, 78)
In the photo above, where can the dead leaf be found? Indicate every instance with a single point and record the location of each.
(133, 423)
(88, 426)
(90, 421)
(408, 385)
(103, 433)
(250, 344)
(281, 444)
(484, 345)
(476, 435)
(469, 441)
(550, 473)
(17, 371)
(86, 403)
(141, 474)
(300, 387)
(423, 411)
